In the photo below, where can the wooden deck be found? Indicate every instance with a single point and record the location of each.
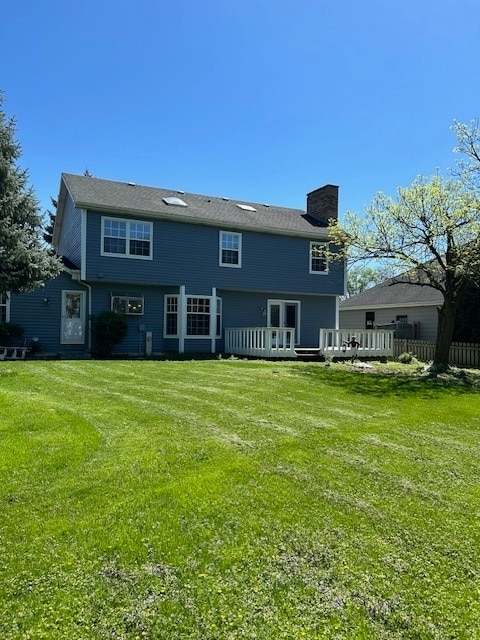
(273, 342)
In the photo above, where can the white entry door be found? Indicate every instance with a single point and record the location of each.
(285, 314)
(73, 317)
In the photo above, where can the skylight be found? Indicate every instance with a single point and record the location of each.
(245, 207)
(175, 202)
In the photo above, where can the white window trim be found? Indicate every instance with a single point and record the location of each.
(283, 302)
(6, 304)
(165, 312)
(220, 248)
(215, 304)
(310, 258)
(128, 222)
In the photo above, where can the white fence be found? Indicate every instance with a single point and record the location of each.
(372, 343)
(261, 342)
(462, 354)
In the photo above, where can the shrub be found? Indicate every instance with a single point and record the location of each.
(9, 332)
(407, 358)
(108, 329)
(34, 347)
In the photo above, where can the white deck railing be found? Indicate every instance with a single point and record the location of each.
(274, 342)
(372, 342)
(263, 342)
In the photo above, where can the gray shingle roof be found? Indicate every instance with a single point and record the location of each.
(126, 198)
(393, 295)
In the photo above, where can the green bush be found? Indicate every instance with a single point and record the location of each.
(34, 347)
(108, 329)
(407, 358)
(9, 332)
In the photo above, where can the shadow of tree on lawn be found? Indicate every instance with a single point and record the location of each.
(378, 383)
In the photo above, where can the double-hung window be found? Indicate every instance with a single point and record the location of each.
(127, 238)
(171, 316)
(230, 249)
(198, 316)
(318, 257)
(4, 307)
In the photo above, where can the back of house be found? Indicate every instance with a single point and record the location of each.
(183, 269)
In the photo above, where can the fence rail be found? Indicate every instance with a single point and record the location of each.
(462, 354)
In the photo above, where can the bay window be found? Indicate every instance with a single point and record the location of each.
(198, 312)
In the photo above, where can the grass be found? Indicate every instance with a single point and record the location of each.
(237, 500)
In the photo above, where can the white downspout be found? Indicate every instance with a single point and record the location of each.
(83, 273)
(182, 318)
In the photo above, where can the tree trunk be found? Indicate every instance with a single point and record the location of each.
(446, 326)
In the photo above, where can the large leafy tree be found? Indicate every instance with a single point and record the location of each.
(468, 139)
(430, 234)
(361, 277)
(467, 325)
(25, 262)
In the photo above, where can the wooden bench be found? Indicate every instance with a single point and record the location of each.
(13, 353)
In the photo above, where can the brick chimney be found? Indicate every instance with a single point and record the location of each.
(322, 203)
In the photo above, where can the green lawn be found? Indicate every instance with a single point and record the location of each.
(236, 499)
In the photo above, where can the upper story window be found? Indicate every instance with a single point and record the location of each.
(230, 249)
(128, 305)
(127, 238)
(4, 307)
(318, 257)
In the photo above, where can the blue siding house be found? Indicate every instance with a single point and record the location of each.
(185, 269)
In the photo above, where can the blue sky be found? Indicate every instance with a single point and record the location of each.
(257, 100)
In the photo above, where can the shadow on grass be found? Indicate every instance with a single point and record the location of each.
(378, 383)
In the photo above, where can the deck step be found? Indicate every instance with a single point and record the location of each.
(307, 352)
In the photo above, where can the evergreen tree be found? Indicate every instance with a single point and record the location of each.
(25, 262)
(48, 230)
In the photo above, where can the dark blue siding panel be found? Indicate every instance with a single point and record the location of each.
(316, 313)
(151, 320)
(239, 309)
(186, 254)
(42, 320)
(70, 240)
(249, 310)
(197, 345)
